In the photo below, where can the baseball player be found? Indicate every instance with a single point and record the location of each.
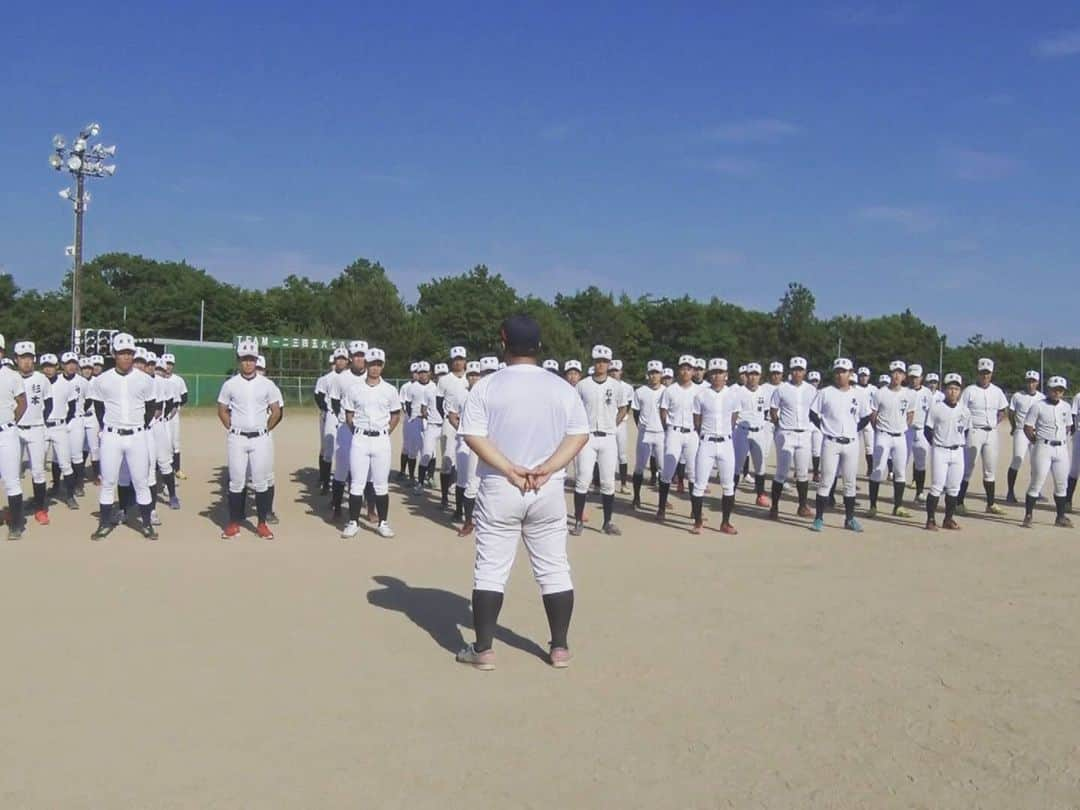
(249, 409)
(89, 419)
(605, 404)
(789, 411)
(917, 445)
(987, 405)
(372, 409)
(339, 363)
(698, 375)
(271, 516)
(552, 365)
(426, 415)
(892, 413)
(65, 402)
(863, 387)
(650, 430)
(467, 481)
(76, 434)
(412, 433)
(933, 383)
(814, 378)
(12, 407)
(124, 405)
(667, 377)
(354, 372)
(572, 372)
(841, 413)
(754, 433)
(1074, 469)
(180, 396)
(160, 436)
(1019, 406)
(680, 438)
(524, 427)
(621, 432)
(716, 410)
(454, 384)
(1047, 424)
(947, 425)
(32, 424)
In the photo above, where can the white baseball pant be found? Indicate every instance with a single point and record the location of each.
(174, 431)
(151, 455)
(918, 447)
(650, 444)
(163, 446)
(467, 463)
(429, 442)
(793, 450)
(91, 431)
(328, 425)
(753, 442)
(1074, 470)
(982, 441)
(448, 447)
(504, 517)
(886, 447)
(249, 456)
(1045, 459)
(867, 437)
(718, 453)
(412, 437)
(343, 436)
(946, 470)
(369, 459)
(602, 451)
(841, 458)
(622, 442)
(58, 441)
(131, 452)
(679, 448)
(1020, 448)
(11, 459)
(816, 439)
(76, 435)
(33, 443)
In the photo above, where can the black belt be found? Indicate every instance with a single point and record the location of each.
(751, 429)
(894, 435)
(56, 423)
(839, 439)
(8, 426)
(717, 439)
(248, 434)
(949, 446)
(794, 430)
(987, 429)
(679, 429)
(1051, 442)
(27, 427)
(359, 432)
(123, 431)
(600, 433)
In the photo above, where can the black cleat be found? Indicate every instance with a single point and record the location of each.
(102, 531)
(149, 532)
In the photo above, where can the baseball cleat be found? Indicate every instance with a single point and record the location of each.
(418, 488)
(818, 525)
(931, 526)
(577, 529)
(120, 517)
(961, 509)
(174, 502)
(71, 503)
(484, 661)
(1027, 522)
(950, 524)
(871, 512)
(466, 529)
(727, 528)
(763, 500)
(42, 517)
(994, 509)
(149, 532)
(559, 657)
(636, 503)
(101, 532)
(80, 491)
(272, 518)
(774, 513)
(264, 532)
(920, 498)
(697, 528)
(901, 512)
(805, 512)
(231, 531)
(15, 532)
(853, 525)
(352, 528)
(384, 530)
(154, 519)
(181, 475)
(611, 528)
(1063, 522)
(1011, 499)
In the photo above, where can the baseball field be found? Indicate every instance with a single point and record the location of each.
(776, 669)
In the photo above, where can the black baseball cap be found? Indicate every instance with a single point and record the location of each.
(521, 334)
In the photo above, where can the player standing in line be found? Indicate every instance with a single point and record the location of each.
(841, 413)
(124, 405)
(987, 404)
(814, 378)
(180, 396)
(602, 397)
(1074, 467)
(32, 424)
(716, 410)
(76, 435)
(412, 434)
(698, 375)
(1047, 424)
(947, 425)
(271, 481)
(789, 411)
(327, 427)
(667, 377)
(160, 434)
(425, 408)
(572, 374)
(680, 440)
(372, 411)
(355, 371)
(552, 365)
(650, 430)
(249, 409)
(622, 441)
(892, 414)
(863, 387)
(524, 427)
(1019, 406)
(753, 433)
(12, 406)
(467, 481)
(455, 384)
(90, 422)
(917, 446)
(65, 399)
(932, 383)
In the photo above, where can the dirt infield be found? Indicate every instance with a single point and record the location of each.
(778, 668)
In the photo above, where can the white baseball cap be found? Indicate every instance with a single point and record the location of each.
(245, 348)
(86, 362)
(413, 367)
(69, 357)
(986, 364)
(654, 365)
(686, 360)
(3, 343)
(914, 370)
(1057, 382)
(841, 364)
(123, 342)
(442, 368)
(667, 373)
(932, 377)
(953, 377)
(260, 362)
(458, 351)
(7, 361)
(742, 369)
(48, 360)
(717, 364)
(591, 371)
(863, 370)
(753, 368)
(473, 367)
(151, 357)
(797, 362)
(1031, 375)
(140, 353)
(168, 358)
(699, 362)
(776, 365)
(24, 347)
(341, 352)
(357, 347)
(97, 359)
(502, 365)
(492, 364)
(897, 365)
(884, 379)
(601, 352)
(814, 376)
(616, 365)
(423, 365)
(551, 365)
(333, 355)
(375, 355)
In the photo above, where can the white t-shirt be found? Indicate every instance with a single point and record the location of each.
(526, 412)
(426, 396)
(792, 404)
(1022, 401)
(64, 392)
(371, 405)
(451, 386)
(1076, 411)
(322, 385)
(754, 405)
(38, 389)
(180, 385)
(840, 411)
(602, 401)
(249, 401)
(124, 397)
(647, 404)
(716, 409)
(1050, 420)
(892, 408)
(679, 404)
(11, 387)
(924, 398)
(984, 404)
(950, 424)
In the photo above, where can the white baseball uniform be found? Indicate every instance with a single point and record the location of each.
(11, 388)
(371, 408)
(466, 460)
(338, 386)
(327, 419)
(839, 413)
(717, 410)
(793, 429)
(650, 430)
(450, 387)
(754, 434)
(680, 439)
(65, 397)
(38, 389)
(1074, 470)
(602, 401)
(984, 404)
(126, 399)
(892, 406)
(425, 405)
(950, 425)
(918, 447)
(248, 445)
(181, 389)
(626, 398)
(1050, 451)
(1019, 405)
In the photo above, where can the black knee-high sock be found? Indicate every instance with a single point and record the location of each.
(69, 485)
(56, 476)
(412, 469)
(875, 487)
(444, 485)
(470, 504)
(777, 491)
(176, 462)
(270, 491)
(579, 505)
(96, 467)
(337, 495)
(1029, 505)
(608, 503)
(819, 507)
(622, 474)
(144, 513)
(746, 466)
(920, 481)
(485, 609)
(236, 507)
(15, 510)
(696, 505)
(382, 506)
(1060, 502)
(127, 497)
(324, 472)
(988, 488)
(759, 484)
(459, 502)
(849, 507)
(1011, 477)
(356, 503)
(664, 490)
(40, 495)
(559, 607)
(950, 506)
(262, 505)
(422, 474)
(638, 480)
(653, 470)
(803, 488)
(154, 494)
(80, 475)
(727, 504)
(815, 464)
(869, 463)
(1070, 489)
(105, 516)
(243, 502)
(898, 495)
(431, 469)
(170, 483)
(931, 506)
(961, 494)
(404, 464)
(680, 472)
(369, 494)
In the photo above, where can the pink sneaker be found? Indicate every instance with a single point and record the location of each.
(559, 657)
(480, 660)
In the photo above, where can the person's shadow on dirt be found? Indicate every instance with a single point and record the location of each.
(441, 614)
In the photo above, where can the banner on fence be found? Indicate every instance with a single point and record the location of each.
(292, 342)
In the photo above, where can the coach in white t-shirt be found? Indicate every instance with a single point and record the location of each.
(525, 426)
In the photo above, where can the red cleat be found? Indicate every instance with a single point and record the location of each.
(466, 529)
(42, 517)
(697, 529)
(805, 512)
(264, 532)
(231, 531)
(727, 528)
(764, 500)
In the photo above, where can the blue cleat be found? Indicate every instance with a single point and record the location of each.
(853, 525)
(174, 502)
(818, 525)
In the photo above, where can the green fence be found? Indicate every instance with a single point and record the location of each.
(203, 389)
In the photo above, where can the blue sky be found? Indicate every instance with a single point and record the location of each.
(888, 155)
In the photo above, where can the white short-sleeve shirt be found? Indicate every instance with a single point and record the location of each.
(984, 404)
(1051, 420)
(892, 408)
(754, 405)
(371, 405)
(840, 411)
(249, 401)
(679, 404)
(950, 424)
(602, 401)
(11, 387)
(716, 409)
(792, 403)
(1021, 403)
(647, 404)
(38, 389)
(124, 397)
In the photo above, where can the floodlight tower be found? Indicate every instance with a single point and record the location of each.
(82, 160)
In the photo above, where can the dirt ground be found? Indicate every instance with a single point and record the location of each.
(777, 669)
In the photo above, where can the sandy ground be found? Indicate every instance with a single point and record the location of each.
(778, 668)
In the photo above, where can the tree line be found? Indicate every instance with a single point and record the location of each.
(162, 300)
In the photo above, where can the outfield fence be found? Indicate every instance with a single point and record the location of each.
(203, 389)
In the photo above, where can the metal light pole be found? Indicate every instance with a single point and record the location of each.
(82, 160)
(941, 358)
